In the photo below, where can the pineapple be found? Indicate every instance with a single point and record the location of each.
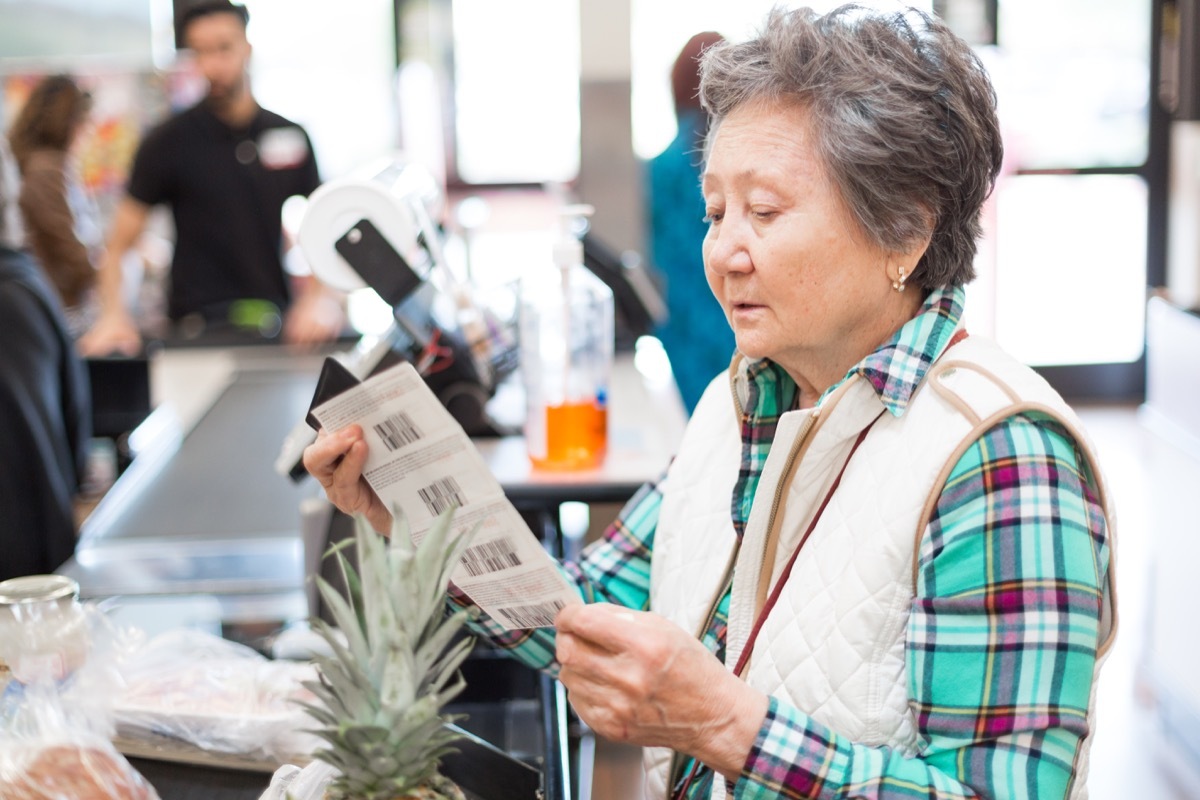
(381, 693)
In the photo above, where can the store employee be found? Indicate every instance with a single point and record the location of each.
(225, 166)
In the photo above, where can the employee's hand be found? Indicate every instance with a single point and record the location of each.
(113, 333)
(636, 677)
(336, 461)
(315, 317)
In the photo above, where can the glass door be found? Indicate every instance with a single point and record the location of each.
(1075, 225)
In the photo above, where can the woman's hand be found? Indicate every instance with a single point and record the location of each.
(336, 460)
(636, 677)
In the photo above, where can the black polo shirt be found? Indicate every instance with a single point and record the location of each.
(226, 189)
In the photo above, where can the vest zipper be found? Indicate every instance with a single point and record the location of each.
(726, 582)
(733, 389)
(776, 500)
(793, 454)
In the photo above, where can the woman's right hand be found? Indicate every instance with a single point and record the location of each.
(336, 460)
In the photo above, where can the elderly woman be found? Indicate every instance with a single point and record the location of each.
(879, 565)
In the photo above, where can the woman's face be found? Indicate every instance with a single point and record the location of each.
(798, 282)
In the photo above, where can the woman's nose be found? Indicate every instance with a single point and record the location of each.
(726, 247)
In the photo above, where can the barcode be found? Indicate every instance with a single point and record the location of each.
(441, 495)
(397, 431)
(540, 615)
(488, 557)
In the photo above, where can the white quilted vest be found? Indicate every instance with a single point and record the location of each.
(834, 645)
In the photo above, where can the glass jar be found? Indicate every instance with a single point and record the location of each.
(43, 631)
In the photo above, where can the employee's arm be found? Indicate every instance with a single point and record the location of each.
(115, 330)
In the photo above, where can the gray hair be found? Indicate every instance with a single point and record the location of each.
(12, 234)
(903, 117)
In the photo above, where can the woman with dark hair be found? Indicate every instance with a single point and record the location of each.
(880, 564)
(695, 336)
(62, 230)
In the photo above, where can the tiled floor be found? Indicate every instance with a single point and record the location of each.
(1149, 478)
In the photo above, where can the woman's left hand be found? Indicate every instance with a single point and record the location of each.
(636, 677)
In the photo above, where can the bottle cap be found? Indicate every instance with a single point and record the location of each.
(573, 224)
(568, 252)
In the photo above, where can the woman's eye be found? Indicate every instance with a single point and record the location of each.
(764, 213)
(712, 217)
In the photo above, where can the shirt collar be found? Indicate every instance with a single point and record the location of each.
(895, 370)
(204, 107)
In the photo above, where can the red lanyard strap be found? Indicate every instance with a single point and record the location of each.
(772, 598)
(744, 658)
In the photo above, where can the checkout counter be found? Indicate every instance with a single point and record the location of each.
(200, 531)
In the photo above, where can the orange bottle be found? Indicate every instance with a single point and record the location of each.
(576, 437)
(566, 356)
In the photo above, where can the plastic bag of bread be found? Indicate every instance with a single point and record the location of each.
(54, 745)
(217, 695)
(71, 771)
(55, 724)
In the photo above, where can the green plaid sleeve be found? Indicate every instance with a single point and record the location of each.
(1001, 647)
(614, 569)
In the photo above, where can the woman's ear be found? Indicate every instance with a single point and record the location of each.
(911, 257)
(900, 266)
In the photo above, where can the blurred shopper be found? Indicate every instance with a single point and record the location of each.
(62, 225)
(225, 167)
(696, 336)
(45, 419)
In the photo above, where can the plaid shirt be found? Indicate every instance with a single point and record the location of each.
(1004, 628)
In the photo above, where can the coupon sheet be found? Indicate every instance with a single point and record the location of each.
(421, 461)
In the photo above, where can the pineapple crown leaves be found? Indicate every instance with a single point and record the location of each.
(379, 695)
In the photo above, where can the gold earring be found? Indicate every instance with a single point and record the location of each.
(898, 284)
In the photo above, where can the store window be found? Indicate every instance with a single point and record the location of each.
(330, 67)
(1071, 259)
(516, 91)
(1070, 225)
(65, 33)
(1076, 82)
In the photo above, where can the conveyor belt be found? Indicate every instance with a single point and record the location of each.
(212, 516)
